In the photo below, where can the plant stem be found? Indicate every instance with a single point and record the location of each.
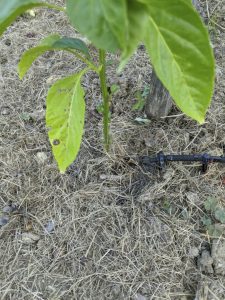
(56, 7)
(85, 60)
(106, 98)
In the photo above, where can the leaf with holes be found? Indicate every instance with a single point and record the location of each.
(180, 51)
(65, 118)
(52, 42)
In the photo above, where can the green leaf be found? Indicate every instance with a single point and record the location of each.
(71, 43)
(110, 25)
(137, 26)
(103, 22)
(111, 62)
(180, 51)
(114, 89)
(52, 42)
(168, 207)
(211, 204)
(146, 91)
(215, 230)
(139, 105)
(65, 118)
(220, 214)
(100, 108)
(206, 221)
(25, 116)
(11, 9)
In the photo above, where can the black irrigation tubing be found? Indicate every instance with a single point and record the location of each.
(161, 159)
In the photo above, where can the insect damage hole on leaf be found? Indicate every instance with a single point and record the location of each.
(56, 142)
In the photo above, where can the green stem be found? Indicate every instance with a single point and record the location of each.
(106, 98)
(56, 7)
(85, 60)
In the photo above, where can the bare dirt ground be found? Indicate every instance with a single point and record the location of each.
(116, 231)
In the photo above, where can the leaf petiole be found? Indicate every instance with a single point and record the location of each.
(86, 61)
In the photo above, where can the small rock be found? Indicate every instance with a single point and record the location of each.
(10, 208)
(31, 12)
(41, 157)
(41, 244)
(7, 209)
(193, 252)
(29, 238)
(140, 297)
(5, 110)
(38, 115)
(50, 226)
(116, 291)
(4, 220)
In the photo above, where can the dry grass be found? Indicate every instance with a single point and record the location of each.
(120, 231)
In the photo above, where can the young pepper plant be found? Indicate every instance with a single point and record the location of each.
(175, 39)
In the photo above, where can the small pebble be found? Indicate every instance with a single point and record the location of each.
(50, 226)
(9, 208)
(41, 157)
(5, 111)
(140, 297)
(29, 238)
(4, 220)
(193, 252)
